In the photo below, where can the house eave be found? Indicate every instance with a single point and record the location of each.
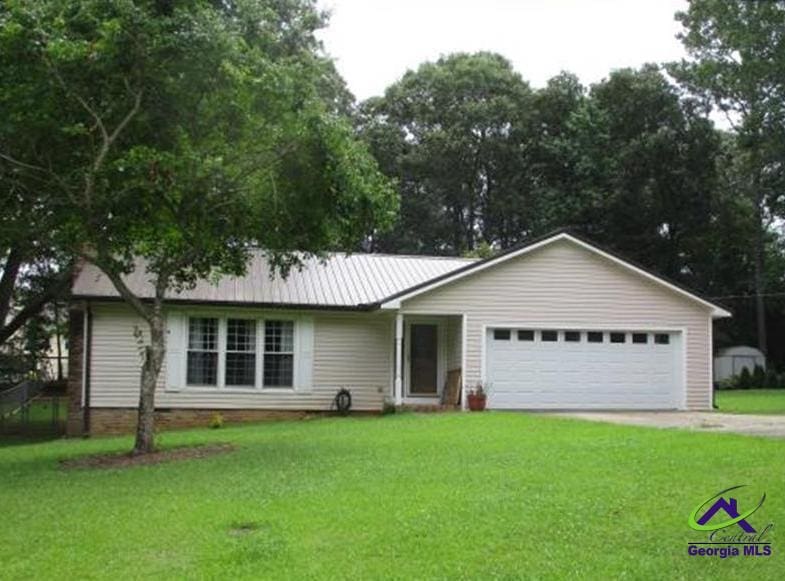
(239, 304)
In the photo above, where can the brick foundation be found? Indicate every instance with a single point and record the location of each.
(105, 421)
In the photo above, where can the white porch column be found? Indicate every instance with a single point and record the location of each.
(398, 359)
(464, 327)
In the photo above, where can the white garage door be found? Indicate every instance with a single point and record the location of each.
(580, 369)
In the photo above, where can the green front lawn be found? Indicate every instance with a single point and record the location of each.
(751, 401)
(403, 496)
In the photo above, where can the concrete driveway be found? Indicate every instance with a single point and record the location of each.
(752, 425)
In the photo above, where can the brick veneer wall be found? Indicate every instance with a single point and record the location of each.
(123, 420)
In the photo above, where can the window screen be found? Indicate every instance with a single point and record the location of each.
(202, 366)
(240, 352)
(278, 354)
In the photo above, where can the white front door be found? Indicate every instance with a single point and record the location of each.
(584, 369)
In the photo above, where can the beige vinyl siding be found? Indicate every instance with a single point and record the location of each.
(453, 343)
(351, 350)
(565, 284)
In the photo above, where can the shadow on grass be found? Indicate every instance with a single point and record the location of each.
(29, 437)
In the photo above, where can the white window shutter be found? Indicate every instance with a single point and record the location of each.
(175, 351)
(303, 358)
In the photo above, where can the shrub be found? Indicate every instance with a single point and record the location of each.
(772, 380)
(388, 407)
(744, 379)
(727, 383)
(758, 377)
(217, 421)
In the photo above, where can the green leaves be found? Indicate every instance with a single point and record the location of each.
(232, 142)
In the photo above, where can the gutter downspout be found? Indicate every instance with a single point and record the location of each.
(88, 347)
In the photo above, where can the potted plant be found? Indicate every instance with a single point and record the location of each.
(477, 397)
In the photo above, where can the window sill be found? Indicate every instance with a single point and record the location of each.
(234, 390)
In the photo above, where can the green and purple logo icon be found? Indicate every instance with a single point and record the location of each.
(729, 506)
(722, 515)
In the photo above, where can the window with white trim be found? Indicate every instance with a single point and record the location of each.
(234, 352)
(240, 368)
(202, 367)
(278, 370)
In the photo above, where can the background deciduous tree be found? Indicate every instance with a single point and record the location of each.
(634, 161)
(450, 132)
(737, 63)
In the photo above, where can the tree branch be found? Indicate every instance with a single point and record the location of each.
(117, 280)
(106, 143)
(107, 139)
(58, 287)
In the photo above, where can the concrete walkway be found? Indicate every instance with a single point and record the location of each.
(752, 425)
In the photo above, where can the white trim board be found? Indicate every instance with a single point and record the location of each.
(395, 303)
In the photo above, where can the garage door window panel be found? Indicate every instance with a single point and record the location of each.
(594, 337)
(501, 334)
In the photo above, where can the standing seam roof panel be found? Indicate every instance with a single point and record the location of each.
(338, 281)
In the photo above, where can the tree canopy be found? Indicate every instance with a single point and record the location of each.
(634, 161)
(736, 63)
(183, 133)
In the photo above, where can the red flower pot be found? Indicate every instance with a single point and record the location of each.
(476, 402)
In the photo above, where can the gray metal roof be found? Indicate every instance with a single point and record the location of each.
(339, 281)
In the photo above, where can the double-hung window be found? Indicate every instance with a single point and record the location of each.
(278, 364)
(202, 351)
(240, 353)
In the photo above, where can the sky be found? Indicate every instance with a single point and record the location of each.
(375, 42)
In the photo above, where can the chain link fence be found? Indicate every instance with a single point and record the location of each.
(32, 407)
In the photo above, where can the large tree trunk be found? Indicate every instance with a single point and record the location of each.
(151, 369)
(154, 353)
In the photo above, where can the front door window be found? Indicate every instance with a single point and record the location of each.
(423, 359)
